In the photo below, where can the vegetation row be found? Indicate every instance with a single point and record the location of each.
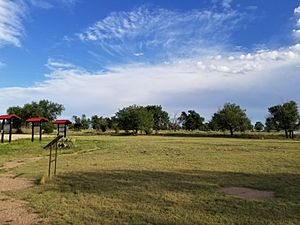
(152, 118)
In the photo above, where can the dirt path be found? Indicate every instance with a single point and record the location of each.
(13, 211)
(25, 136)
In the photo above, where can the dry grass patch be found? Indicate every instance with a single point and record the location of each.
(247, 193)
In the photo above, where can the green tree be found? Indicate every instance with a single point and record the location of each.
(135, 118)
(285, 117)
(160, 117)
(191, 120)
(259, 126)
(43, 108)
(270, 125)
(231, 117)
(81, 122)
(100, 123)
(17, 124)
(114, 124)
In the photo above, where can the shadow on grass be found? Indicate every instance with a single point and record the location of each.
(110, 181)
(182, 197)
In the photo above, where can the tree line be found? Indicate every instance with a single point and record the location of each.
(153, 118)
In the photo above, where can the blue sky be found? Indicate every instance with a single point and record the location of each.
(98, 56)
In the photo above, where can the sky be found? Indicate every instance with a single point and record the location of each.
(96, 57)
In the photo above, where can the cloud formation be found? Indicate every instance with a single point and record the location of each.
(160, 33)
(11, 27)
(13, 14)
(296, 30)
(178, 85)
(196, 71)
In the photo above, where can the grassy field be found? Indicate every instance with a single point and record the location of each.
(162, 180)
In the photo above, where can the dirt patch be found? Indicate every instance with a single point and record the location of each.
(9, 182)
(16, 163)
(247, 193)
(13, 212)
(24, 136)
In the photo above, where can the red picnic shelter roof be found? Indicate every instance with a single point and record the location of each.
(40, 119)
(62, 122)
(8, 117)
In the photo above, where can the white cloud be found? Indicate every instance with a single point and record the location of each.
(296, 31)
(47, 4)
(161, 31)
(55, 65)
(226, 3)
(297, 10)
(188, 81)
(13, 13)
(11, 27)
(242, 63)
(264, 78)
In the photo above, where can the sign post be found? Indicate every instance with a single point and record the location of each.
(62, 126)
(36, 122)
(10, 119)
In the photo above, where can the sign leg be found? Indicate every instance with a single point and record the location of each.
(32, 132)
(10, 130)
(50, 159)
(40, 131)
(55, 159)
(65, 131)
(2, 131)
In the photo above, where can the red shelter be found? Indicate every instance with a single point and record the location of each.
(10, 119)
(36, 122)
(62, 126)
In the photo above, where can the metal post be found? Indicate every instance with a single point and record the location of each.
(40, 130)
(57, 129)
(2, 131)
(10, 130)
(32, 132)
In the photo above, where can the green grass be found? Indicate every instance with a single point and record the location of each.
(163, 180)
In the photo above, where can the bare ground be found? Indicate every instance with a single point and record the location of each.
(15, 163)
(247, 193)
(13, 211)
(25, 136)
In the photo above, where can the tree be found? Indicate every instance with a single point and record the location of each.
(174, 122)
(43, 108)
(191, 120)
(99, 123)
(77, 123)
(231, 117)
(285, 117)
(114, 124)
(135, 118)
(81, 122)
(160, 117)
(259, 126)
(17, 124)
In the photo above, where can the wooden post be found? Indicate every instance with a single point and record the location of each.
(55, 159)
(32, 132)
(65, 131)
(2, 131)
(50, 159)
(10, 130)
(40, 130)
